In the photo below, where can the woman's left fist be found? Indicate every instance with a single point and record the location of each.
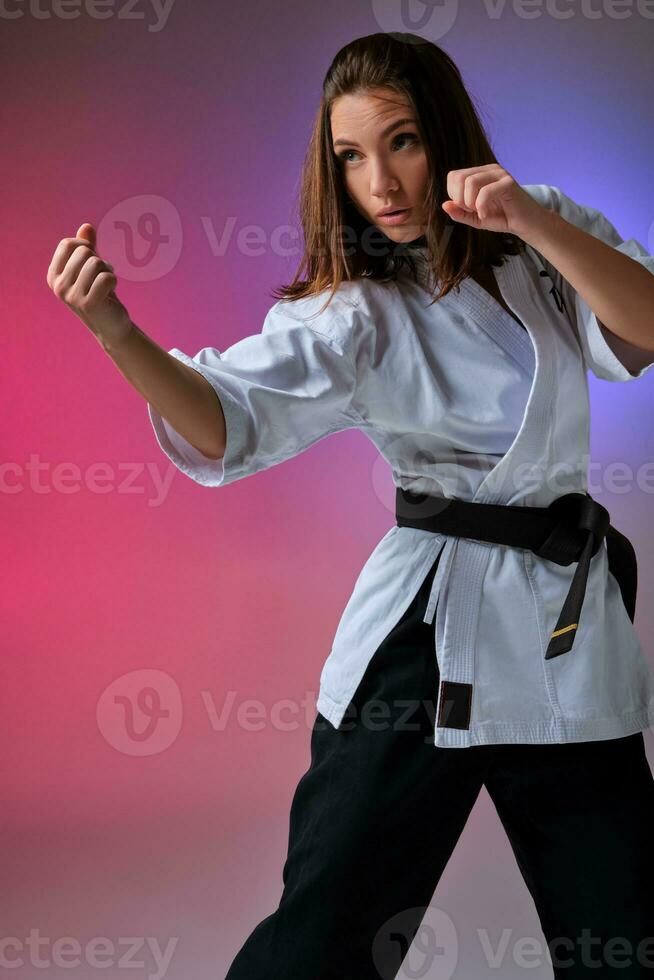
(488, 198)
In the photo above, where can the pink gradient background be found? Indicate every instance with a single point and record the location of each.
(234, 593)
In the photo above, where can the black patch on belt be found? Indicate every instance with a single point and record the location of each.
(456, 701)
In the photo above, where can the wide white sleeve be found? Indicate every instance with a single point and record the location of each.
(280, 390)
(605, 354)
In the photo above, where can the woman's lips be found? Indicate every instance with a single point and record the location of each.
(395, 218)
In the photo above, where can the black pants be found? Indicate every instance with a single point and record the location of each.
(378, 813)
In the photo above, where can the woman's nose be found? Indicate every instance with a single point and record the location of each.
(383, 183)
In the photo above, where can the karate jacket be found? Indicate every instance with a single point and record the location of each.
(461, 401)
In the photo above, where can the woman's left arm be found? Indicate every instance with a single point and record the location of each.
(618, 289)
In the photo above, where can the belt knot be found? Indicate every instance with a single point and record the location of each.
(575, 514)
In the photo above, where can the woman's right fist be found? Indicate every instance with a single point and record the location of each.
(86, 284)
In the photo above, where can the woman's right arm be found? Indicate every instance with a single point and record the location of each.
(177, 392)
(79, 277)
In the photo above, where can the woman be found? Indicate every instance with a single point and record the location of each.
(457, 336)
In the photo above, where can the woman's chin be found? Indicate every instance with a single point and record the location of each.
(404, 234)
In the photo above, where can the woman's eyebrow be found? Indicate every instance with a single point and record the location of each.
(386, 132)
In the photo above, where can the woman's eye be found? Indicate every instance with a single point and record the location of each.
(409, 136)
(402, 136)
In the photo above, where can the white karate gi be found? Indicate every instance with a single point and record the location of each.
(461, 401)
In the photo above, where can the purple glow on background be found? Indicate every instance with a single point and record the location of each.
(234, 593)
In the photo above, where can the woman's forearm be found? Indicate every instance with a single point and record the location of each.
(617, 288)
(176, 391)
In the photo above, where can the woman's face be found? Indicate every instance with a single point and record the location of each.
(382, 159)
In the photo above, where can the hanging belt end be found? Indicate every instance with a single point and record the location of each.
(561, 641)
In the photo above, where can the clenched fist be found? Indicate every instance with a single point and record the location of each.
(86, 284)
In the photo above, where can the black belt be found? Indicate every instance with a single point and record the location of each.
(571, 528)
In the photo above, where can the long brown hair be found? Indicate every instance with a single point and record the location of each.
(453, 137)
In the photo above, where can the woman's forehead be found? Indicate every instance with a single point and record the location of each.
(368, 110)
